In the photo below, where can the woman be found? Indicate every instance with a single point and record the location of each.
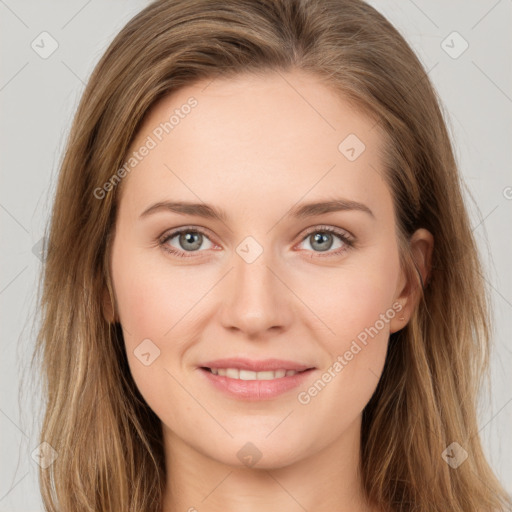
(320, 344)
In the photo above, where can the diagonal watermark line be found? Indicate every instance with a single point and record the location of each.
(13, 279)
(216, 487)
(485, 218)
(424, 14)
(285, 490)
(485, 15)
(12, 488)
(492, 81)
(207, 85)
(376, 171)
(14, 423)
(14, 218)
(376, 376)
(501, 295)
(377, 122)
(493, 418)
(425, 75)
(199, 403)
(306, 101)
(434, 434)
(200, 299)
(312, 187)
(301, 301)
(495, 289)
(73, 72)
(491, 491)
(280, 423)
(76, 14)
(2, 2)
(14, 76)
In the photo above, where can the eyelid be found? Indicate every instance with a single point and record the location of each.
(171, 233)
(345, 236)
(330, 229)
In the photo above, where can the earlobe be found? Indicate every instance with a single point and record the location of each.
(400, 319)
(421, 246)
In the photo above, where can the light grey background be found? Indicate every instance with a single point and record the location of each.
(38, 97)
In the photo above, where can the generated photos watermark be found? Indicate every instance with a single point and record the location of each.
(151, 142)
(305, 397)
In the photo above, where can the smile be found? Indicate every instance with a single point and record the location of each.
(249, 385)
(235, 373)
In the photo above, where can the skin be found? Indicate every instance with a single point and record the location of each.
(256, 147)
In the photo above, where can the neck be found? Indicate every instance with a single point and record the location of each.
(324, 481)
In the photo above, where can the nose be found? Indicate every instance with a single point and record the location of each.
(256, 299)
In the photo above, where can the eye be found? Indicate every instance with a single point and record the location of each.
(189, 240)
(321, 239)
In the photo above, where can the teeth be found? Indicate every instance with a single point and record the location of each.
(232, 373)
(235, 373)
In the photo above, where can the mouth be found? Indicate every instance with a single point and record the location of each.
(249, 375)
(250, 385)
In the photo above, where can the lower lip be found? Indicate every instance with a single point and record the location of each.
(256, 389)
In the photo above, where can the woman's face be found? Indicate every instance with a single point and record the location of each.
(269, 279)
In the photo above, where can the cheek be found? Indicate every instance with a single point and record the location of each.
(160, 306)
(355, 296)
(153, 308)
(355, 303)
(150, 299)
(357, 309)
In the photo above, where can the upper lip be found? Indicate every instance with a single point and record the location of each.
(256, 366)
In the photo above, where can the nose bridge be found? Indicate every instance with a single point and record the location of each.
(255, 300)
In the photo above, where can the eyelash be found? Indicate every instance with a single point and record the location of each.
(344, 237)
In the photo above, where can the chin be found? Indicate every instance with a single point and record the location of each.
(255, 454)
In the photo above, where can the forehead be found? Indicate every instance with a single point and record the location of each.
(261, 139)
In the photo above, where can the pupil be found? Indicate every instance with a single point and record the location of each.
(189, 238)
(323, 237)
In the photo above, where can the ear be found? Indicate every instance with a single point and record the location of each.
(409, 291)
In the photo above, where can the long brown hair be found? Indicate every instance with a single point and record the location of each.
(108, 440)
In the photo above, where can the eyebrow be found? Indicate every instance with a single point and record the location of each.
(301, 211)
